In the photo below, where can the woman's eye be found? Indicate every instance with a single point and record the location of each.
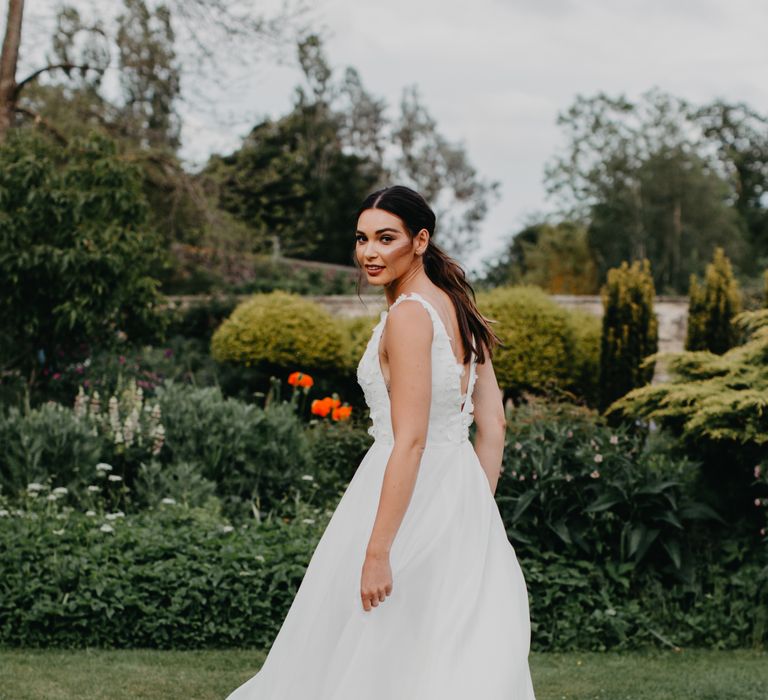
(386, 238)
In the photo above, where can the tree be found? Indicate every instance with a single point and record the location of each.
(641, 179)
(299, 179)
(740, 136)
(76, 252)
(713, 307)
(630, 331)
(149, 74)
(555, 257)
(84, 48)
(441, 171)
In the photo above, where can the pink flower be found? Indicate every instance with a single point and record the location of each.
(121, 359)
(598, 458)
(57, 375)
(758, 471)
(758, 502)
(595, 474)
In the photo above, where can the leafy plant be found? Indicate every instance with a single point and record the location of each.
(574, 485)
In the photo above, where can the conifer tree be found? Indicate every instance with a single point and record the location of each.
(630, 330)
(712, 306)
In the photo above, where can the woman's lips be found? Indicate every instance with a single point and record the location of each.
(373, 269)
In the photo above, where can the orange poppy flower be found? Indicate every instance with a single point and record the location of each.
(300, 379)
(321, 407)
(341, 412)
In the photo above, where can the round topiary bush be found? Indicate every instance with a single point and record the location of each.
(545, 347)
(280, 329)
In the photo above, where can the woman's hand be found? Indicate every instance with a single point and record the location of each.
(376, 579)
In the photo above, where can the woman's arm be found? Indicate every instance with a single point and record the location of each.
(408, 346)
(490, 422)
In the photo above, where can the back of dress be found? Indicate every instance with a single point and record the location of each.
(449, 421)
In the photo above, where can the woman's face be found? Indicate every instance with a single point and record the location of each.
(384, 248)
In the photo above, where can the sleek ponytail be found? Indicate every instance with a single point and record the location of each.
(443, 270)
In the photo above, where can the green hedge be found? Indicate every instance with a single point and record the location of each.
(178, 578)
(546, 346)
(173, 578)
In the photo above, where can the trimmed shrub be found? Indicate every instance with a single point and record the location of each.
(712, 307)
(356, 332)
(630, 330)
(546, 347)
(280, 330)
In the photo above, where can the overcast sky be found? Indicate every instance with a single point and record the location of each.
(495, 73)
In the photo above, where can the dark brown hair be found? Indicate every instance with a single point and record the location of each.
(444, 271)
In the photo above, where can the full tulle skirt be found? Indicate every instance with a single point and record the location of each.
(456, 624)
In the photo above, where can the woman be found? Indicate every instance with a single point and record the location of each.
(414, 591)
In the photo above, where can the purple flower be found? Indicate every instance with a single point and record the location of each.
(121, 359)
(168, 352)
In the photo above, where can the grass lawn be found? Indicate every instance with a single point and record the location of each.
(210, 675)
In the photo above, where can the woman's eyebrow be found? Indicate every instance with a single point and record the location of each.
(381, 230)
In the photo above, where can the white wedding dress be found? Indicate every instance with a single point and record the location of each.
(456, 624)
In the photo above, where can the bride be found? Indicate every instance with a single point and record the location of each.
(414, 591)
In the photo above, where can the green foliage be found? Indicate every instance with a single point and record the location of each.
(49, 441)
(649, 184)
(578, 604)
(175, 577)
(713, 397)
(254, 455)
(170, 578)
(712, 308)
(76, 255)
(293, 183)
(337, 450)
(356, 332)
(630, 330)
(545, 346)
(573, 485)
(279, 330)
(556, 258)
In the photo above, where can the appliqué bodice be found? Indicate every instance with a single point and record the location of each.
(449, 420)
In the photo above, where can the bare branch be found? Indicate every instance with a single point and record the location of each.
(66, 67)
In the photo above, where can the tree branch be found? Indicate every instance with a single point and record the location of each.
(57, 66)
(40, 120)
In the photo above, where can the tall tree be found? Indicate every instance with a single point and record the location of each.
(740, 136)
(150, 74)
(300, 178)
(209, 27)
(642, 180)
(441, 171)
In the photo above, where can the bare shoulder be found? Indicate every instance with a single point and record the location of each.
(410, 320)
